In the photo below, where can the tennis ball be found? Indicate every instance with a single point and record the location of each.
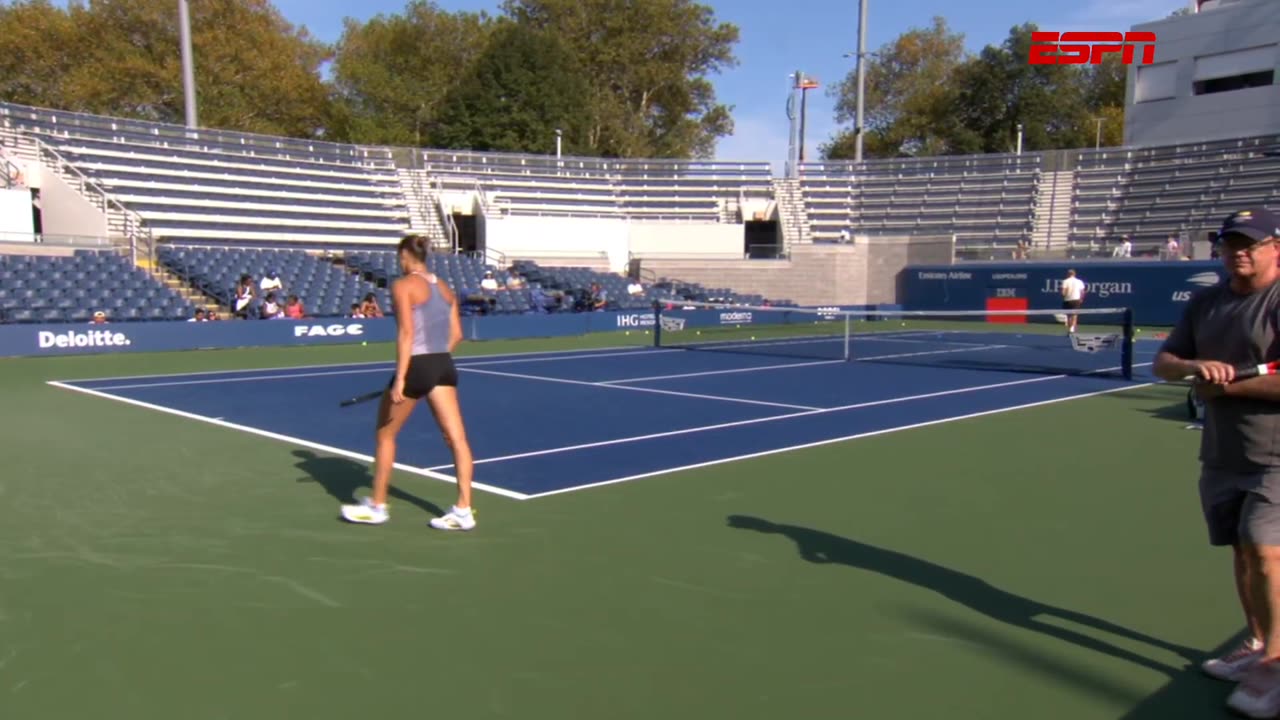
(366, 342)
(628, 332)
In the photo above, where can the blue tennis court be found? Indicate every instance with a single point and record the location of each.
(547, 423)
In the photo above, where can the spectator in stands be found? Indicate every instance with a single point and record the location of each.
(489, 283)
(1022, 250)
(355, 311)
(244, 297)
(271, 309)
(198, 317)
(99, 318)
(1124, 249)
(271, 281)
(369, 307)
(599, 297)
(293, 308)
(635, 288)
(514, 281)
(1172, 248)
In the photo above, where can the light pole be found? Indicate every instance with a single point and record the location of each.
(558, 136)
(1097, 142)
(188, 64)
(862, 77)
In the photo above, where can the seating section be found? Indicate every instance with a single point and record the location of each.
(1150, 193)
(512, 184)
(209, 184)
(325, 289)
(980, 199)
(51, 289)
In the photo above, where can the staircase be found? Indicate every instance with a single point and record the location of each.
(1053, 213)
(424, 214)
(188, 293)
(791, 213)
(730, 211)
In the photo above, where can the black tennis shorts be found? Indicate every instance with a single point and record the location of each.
(426, 372)
(1071, 304)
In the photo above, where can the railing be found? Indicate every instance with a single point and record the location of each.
(446, 218)
(80, 241)
(10, 174)
(134, 229)
(178, 135)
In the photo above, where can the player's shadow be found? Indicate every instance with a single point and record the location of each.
(972, 592)
(342, 477)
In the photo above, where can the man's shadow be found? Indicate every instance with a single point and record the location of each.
(341, 477)
(972, 592)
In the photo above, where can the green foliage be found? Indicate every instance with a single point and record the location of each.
(515, 96)
(254, 71)
(925, 96)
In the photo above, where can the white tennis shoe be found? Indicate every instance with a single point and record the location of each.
(1236, 664)
(455, 519)
(366, 512)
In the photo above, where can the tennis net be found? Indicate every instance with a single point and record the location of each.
(1030, 341)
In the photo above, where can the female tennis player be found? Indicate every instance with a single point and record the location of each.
(428, 330)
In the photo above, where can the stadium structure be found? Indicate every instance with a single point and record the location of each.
(148, 221)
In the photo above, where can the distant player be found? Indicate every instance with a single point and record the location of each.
(1072, 297)
(428, 330)
(1224, 327)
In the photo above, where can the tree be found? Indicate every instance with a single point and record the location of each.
(998, 90)
(254, 72)
(908, 96)
(515, 96)
(392, 73)
(646, 65)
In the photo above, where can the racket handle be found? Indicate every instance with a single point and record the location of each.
(1248, 371)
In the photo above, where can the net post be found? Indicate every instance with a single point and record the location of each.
(847, 355)
(657, 324)
(1126, 348)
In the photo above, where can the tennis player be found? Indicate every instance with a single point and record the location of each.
(1223, 327)
(1072, 297)
(429, 329)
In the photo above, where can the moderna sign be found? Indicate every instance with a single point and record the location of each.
(1088, 48)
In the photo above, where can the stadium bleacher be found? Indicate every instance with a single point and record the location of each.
(51, 289)
(1151, 193)
(982, 198)
(325, 289)
(638, 190)
(214, 185)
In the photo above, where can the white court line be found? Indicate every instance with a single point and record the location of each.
(722, 372)
(586, 353)
(754, 421)
(819, 443)
(384, 366)
(638, 389)
(283, 438)
(798, 365)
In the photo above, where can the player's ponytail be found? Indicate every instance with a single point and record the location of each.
(417, 246)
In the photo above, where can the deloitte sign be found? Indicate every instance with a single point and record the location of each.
(46, 340)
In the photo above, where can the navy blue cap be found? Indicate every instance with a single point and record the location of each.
(1257, 224)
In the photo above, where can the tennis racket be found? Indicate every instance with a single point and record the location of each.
(362, 398)
(1250, 371)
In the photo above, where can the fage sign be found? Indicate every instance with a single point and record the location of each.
(1088, 48)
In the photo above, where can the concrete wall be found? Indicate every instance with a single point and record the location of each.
(1188, 42)
(16, 220)
(862, 273)
(63, 211)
